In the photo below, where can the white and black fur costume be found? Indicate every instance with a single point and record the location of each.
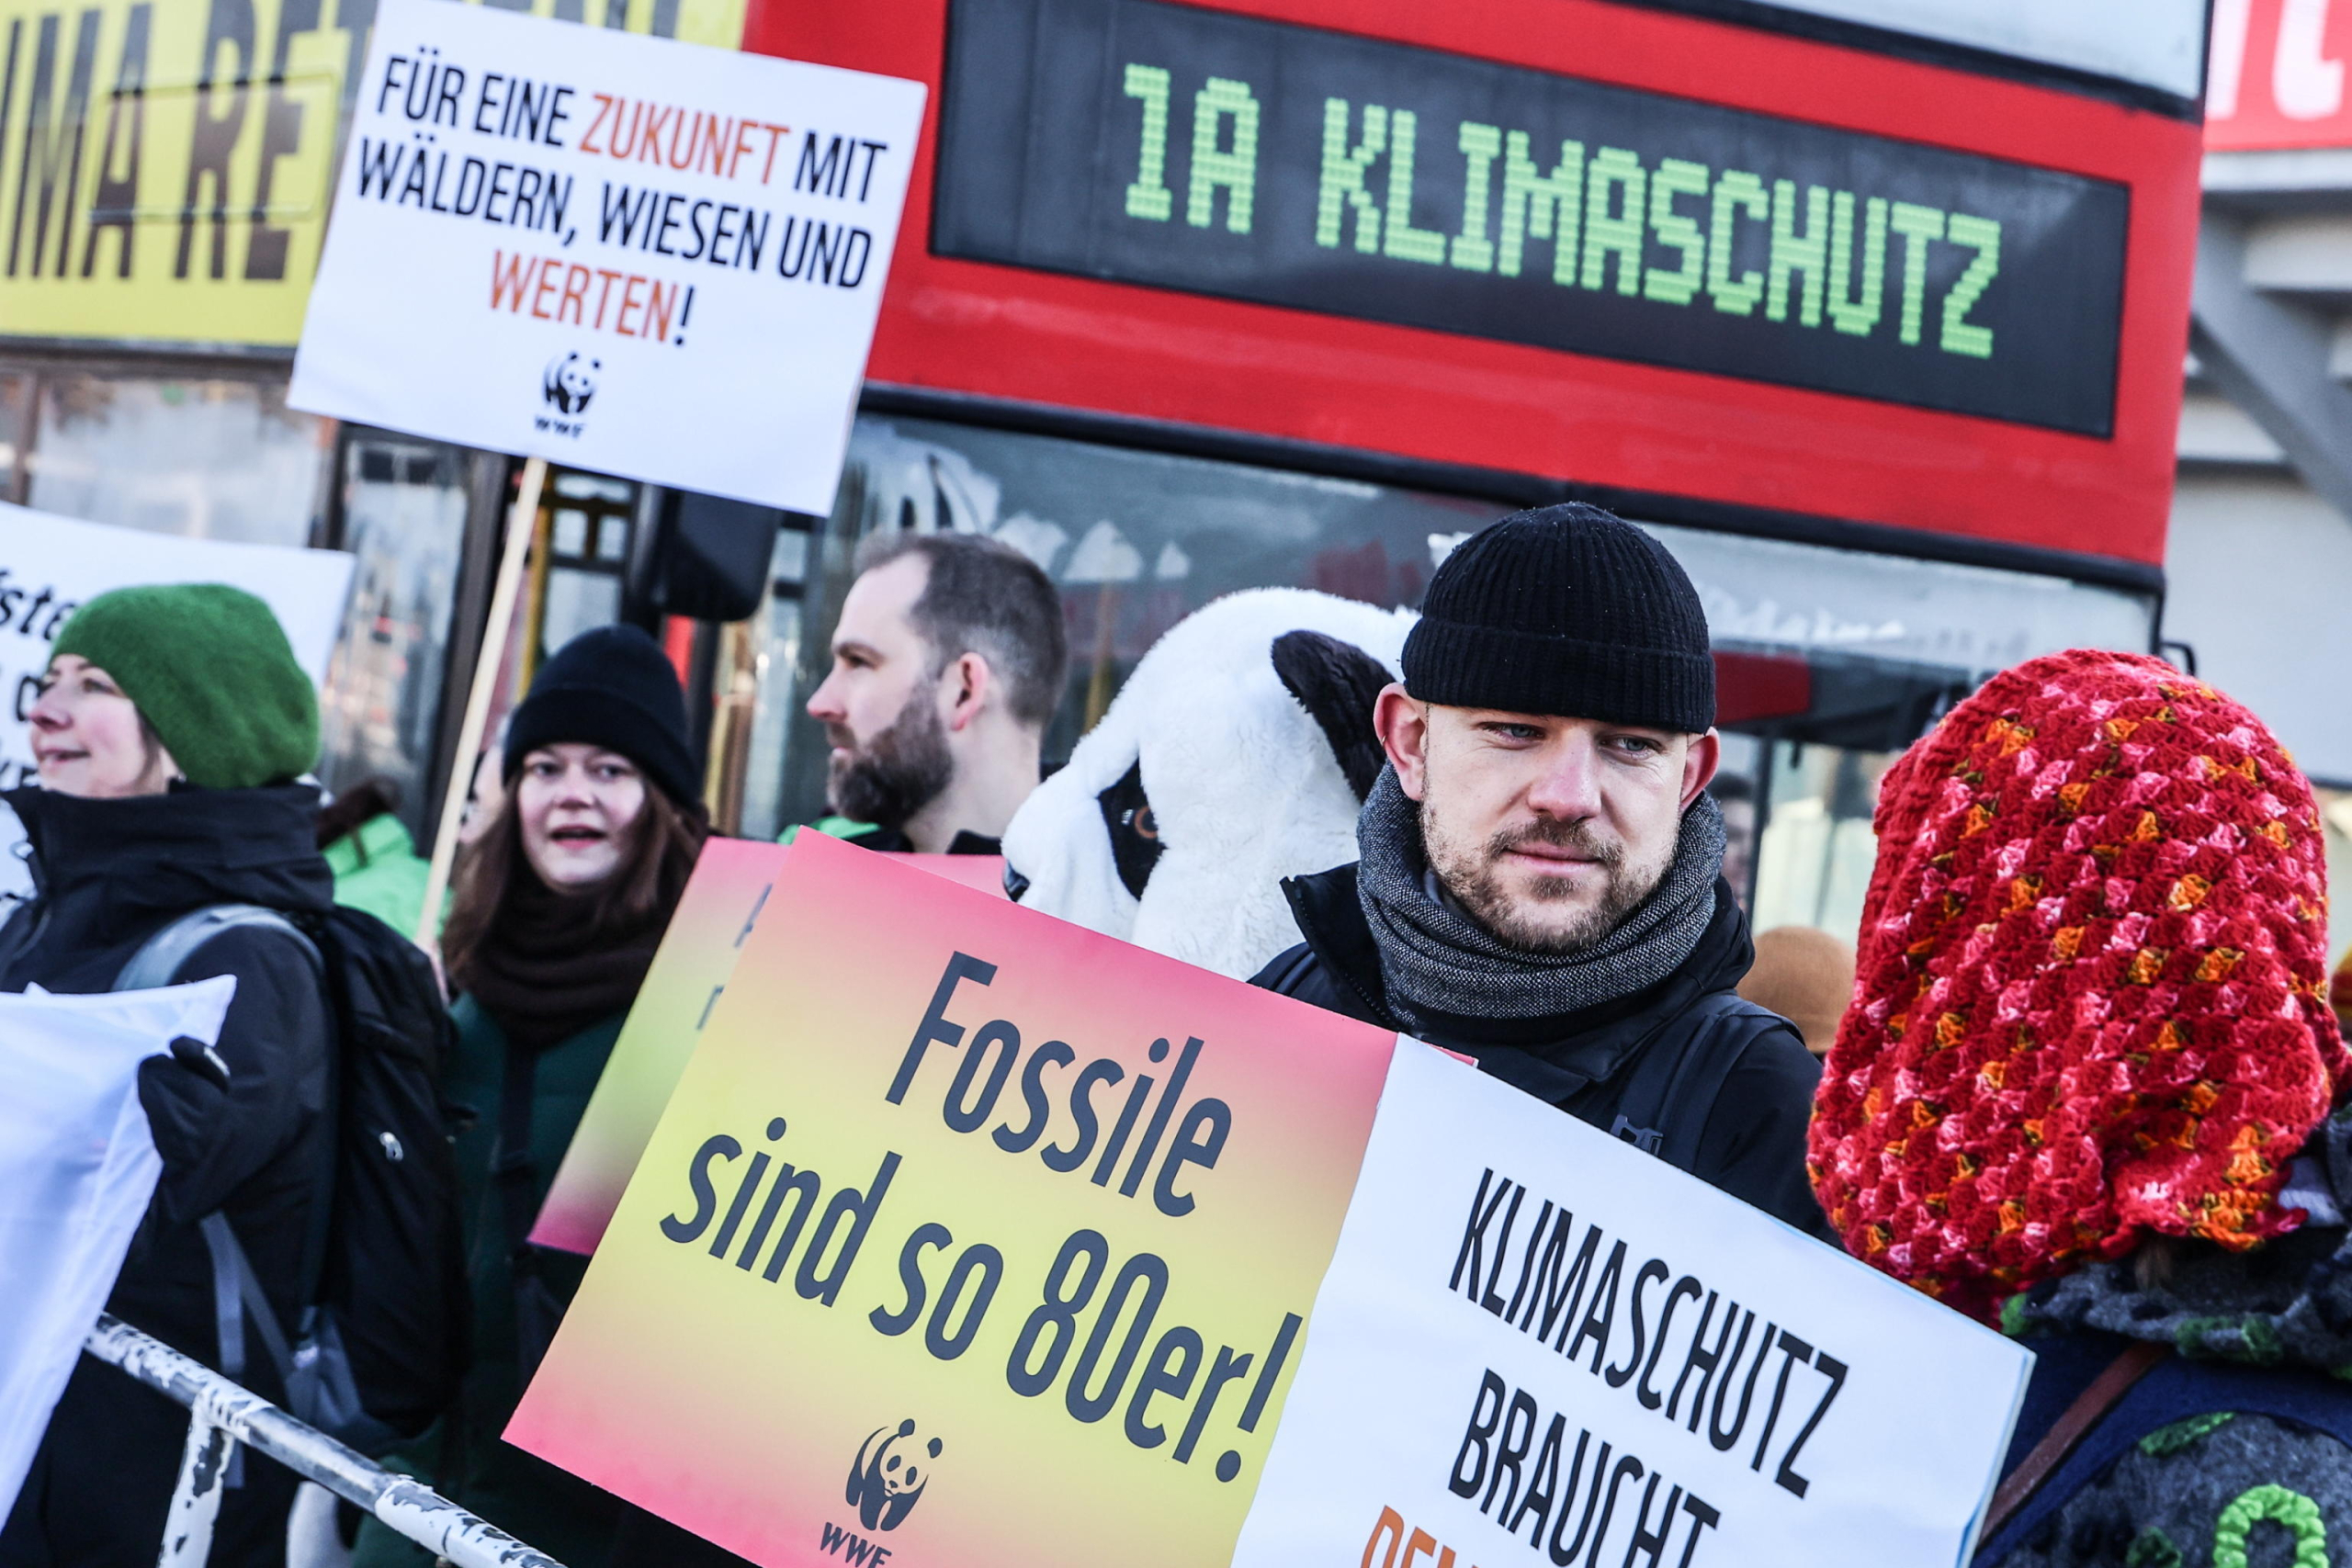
(1236, 754)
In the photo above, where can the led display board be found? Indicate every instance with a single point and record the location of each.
(1290, 165)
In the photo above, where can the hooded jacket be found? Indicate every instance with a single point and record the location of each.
(2225, 1454)
(1750, 1138)
(107, 876)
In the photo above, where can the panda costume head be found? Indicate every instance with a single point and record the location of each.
(1238, 753)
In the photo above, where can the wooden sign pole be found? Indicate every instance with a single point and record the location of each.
(521, 524)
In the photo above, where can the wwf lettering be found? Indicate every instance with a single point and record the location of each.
(851, 1548)
(1570, 1298)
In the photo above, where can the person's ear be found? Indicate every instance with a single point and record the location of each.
(1403, 726)
(1699, 766)
(968, 683)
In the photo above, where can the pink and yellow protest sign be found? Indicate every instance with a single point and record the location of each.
(966, 1231)
(732, 884)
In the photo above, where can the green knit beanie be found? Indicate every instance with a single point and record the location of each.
(211, 671)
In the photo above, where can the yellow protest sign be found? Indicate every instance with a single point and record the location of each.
(165, 165)
(961, 1206)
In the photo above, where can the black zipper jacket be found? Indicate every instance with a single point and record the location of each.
(107, 876)
(1748, 1136)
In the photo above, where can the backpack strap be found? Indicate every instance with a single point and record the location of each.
(235, 1284)
(236, 1289)
(161, 956)
(2172, 1387)
(2090, 1407)
(1678, 1075)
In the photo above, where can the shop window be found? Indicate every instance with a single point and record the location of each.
(1815, 848)
(774, 640)
(589, 520)
(2335, 820)
(205, 457)
(403, 521)
(16, 433)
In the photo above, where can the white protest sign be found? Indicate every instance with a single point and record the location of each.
(77, 1168)
(620, 253)
(1537, 1345)
(51, 565)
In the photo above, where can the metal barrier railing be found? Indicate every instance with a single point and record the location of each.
(222, 1414)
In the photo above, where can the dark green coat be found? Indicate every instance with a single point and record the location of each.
(539, 1504)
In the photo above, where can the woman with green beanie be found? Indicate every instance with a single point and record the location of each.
(171, 724)
(559, 903)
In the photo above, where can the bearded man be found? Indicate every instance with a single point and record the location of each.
(1541, 883)
(948, 660)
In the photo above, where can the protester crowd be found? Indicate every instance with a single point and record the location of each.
(2083, 1085)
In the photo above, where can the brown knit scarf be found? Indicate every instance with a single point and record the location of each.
(545, 970)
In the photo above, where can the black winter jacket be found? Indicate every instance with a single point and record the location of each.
(1751, 1140)
(108, 875)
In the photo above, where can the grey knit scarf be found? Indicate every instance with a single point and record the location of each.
(1435, 959)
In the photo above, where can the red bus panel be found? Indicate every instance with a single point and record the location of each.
(1165, 352)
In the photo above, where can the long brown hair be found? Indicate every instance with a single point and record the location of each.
(663, 843)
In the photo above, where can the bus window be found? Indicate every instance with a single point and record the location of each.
(1829, 660)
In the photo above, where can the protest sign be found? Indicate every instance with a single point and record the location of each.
(732, 881)
(1029, 1284)
(51, 565)
(199, 219)
(625, 254)
(985, 873)
(972, 1238)
(1538, 1345)
(77, 1168)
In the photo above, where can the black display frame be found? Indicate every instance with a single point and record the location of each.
(1037, 145)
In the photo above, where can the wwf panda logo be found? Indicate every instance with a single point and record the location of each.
(886, 1482)
(570, 383)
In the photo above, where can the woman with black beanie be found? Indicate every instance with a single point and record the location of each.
(558, 907)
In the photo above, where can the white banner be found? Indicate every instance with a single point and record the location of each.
(77, 1168)
(49, 566)
(1537, 1345)
(618, 253)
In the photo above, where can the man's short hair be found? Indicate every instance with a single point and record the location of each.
(985, 597)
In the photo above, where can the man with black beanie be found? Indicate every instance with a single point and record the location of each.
(1540, 884)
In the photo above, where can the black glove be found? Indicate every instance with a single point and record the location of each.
(183, 1094)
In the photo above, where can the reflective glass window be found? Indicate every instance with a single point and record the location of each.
(205, 457)
(403, 520)
(1830, 660)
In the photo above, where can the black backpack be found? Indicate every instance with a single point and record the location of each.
(385, 1331)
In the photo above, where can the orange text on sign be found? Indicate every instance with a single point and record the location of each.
(679, 138)
(605, 299)
(1420, 1547)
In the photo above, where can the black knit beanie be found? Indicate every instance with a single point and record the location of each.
(611, 687)
(1569, 611)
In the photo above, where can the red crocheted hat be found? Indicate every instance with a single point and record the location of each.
(2090, 998)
